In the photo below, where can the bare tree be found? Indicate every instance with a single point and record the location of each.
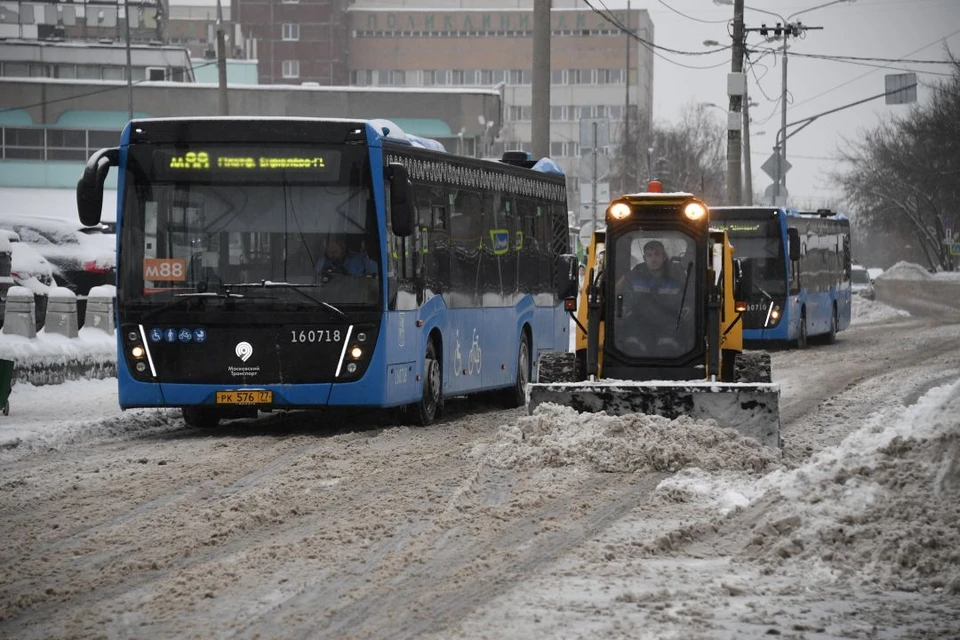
(688, 156)
(905, 175)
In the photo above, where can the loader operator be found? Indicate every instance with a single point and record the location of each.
(657, 309)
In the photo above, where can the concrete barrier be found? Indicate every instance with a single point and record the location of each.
(99, 311)
(19, 315)
(61, 315)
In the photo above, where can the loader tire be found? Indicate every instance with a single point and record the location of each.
(557, 366)
(753, 366)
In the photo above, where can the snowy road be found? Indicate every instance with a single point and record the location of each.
(497, 525)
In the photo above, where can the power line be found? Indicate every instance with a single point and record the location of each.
(612, 19)
(845, 83)
(680, 13)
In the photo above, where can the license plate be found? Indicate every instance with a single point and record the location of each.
(247, 396)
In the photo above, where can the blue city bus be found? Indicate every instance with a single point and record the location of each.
(800, 264)
(225, 303)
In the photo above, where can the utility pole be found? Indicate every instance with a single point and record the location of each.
(735, 89)
(629, 147)
(126, 10)
(747, 162)
(596, 153)
(540, 89)
(222, 62)
(789, 29)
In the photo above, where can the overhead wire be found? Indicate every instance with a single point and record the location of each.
(680, 13)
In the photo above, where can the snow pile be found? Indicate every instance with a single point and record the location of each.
(865, 311)
(905, 271)
(882, 508)
(77, 411)
(556, 436)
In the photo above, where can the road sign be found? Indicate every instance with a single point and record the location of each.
(781, 200)
(586, 133)
(586, 164)
(770, 166)
(901, 88)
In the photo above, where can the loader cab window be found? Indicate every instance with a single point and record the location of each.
(655, 294)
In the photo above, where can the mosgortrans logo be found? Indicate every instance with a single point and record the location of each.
(244, 350)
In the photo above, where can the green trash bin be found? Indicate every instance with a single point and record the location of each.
(6, 382)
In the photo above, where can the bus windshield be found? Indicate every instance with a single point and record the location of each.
(760, 242)
(249, 224)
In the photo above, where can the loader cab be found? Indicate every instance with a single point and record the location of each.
(653, 298)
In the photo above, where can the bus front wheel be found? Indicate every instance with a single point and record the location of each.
(430, 406)
(200, 417)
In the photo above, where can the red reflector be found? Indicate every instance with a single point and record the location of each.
(93, 267)
(570, 304)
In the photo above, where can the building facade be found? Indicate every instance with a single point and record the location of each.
(429, 43)
(296, 41)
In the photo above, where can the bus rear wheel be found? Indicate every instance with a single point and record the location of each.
(430, 406)
(516, 396)
(802, 332)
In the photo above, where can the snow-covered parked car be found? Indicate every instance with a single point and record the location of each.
(82, 257)
(28, 267)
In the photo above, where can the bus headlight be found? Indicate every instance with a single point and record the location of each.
(695, 211)
(138, 352)
(775, 313)
(356, 352)
(620, 210)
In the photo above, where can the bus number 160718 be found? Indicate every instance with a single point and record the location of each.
(315, 335)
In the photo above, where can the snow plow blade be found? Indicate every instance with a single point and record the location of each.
(753, 409)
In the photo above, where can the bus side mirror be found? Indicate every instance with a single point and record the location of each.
(793, 244)
(90, 185)
(402, 214)
(568, 276)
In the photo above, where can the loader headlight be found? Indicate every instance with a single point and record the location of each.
(620, 210)
(695, 211)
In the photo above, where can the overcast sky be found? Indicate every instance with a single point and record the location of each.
(915, 29)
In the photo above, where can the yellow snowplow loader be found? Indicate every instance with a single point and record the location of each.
(659, 326)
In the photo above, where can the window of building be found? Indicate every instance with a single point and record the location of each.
(558, 113)
(16, 69)
(290, 68)
(156, 74)
(556, 149)
(289, 1)
(88, 72)
(113, 73)
(558, 76)
(291, 31)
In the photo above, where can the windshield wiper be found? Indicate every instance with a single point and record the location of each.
(185, 298)
(266, 284)
(686, 281)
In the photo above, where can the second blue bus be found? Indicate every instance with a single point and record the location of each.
(801, 272)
